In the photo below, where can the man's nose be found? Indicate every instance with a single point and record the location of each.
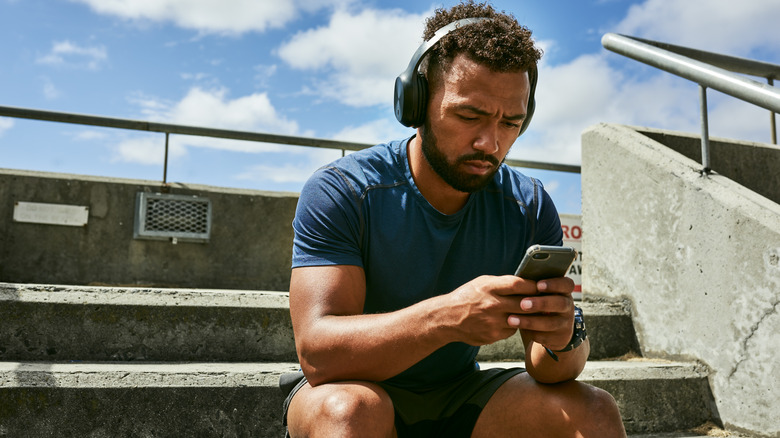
(487, 139)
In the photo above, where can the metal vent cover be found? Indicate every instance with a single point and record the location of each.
(160, 216)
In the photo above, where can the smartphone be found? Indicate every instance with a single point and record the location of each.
(541, 261)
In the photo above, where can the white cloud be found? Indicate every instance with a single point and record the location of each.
(722, 26)
(361, 53)
(5, 124)
(206, 108)
(292, 171)
(213, 16)
(50, 91)
(149, 150)
(732, 118)
(377, 131)
(263, 73)
(213, 108)
(66, 53)
(90, 135)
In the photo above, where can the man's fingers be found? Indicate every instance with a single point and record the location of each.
(539, 323)
(560, 285)
(512, 285)
(557, 303)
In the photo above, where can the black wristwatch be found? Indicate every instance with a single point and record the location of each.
(577, 337)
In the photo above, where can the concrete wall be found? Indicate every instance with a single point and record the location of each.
(753, 165)
(699, 258)
(250, 245)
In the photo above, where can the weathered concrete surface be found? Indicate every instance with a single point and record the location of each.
(242, 400)
(250, 245)
(45, 322)
(141, 400)
(753, 165)
(699, 258)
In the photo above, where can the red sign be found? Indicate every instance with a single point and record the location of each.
(571, 225)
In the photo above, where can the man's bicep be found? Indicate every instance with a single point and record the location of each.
(320, 291)
(548, 221)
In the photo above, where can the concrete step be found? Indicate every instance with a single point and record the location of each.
(242, 399)
(48, 322)
(92, 323)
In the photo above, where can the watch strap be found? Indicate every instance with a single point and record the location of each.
(578, 336)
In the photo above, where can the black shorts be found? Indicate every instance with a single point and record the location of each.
(449, 410)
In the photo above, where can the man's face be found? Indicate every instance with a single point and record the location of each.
(473, 119)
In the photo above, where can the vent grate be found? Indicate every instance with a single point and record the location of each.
(172, 217)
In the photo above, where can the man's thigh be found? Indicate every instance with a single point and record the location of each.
(524, 407)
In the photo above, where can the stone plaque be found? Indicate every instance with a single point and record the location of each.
(51, 214)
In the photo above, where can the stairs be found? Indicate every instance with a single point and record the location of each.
(133, 362)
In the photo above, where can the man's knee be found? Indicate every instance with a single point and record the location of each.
(594, 411)
(347, 404)
(341, 409)
(540, 410)
(603, 404)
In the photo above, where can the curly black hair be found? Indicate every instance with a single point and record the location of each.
(501, 44)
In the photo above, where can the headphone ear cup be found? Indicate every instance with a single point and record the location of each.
(533, 76)
(411, 98)
(420, 100)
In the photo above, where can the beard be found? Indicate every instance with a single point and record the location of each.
(450, 173)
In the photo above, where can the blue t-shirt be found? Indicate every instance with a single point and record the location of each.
(365, 210)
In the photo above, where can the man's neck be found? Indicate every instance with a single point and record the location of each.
(434, 189)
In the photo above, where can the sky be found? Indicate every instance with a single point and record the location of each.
(326, 69)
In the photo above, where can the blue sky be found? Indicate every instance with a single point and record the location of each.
(326, 68)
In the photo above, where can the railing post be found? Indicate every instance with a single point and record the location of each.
(705, 136)
(772, 123)
(165, 164)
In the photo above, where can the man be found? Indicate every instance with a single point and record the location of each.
(402, 267)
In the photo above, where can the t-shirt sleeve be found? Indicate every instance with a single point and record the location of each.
(327, 223)
(548, 228)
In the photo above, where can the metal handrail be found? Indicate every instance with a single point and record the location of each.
(169, 128)
(708, 69)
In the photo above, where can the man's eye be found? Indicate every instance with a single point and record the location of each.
(467, 118)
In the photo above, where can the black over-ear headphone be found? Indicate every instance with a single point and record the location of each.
(411, 87)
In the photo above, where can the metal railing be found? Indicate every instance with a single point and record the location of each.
(168, 128)
(709, 70)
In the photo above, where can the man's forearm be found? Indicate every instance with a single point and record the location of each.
(544, 369)
(371, 347)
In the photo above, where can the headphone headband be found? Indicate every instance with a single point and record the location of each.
(426, 46)
(411, 87)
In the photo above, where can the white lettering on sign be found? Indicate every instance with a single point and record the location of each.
(571, 225)
(51, 214)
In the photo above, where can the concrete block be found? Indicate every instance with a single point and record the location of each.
(44, 322)
(154, 400)
(699, 259)
(250, 246)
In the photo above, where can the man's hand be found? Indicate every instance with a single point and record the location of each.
(547, 317)
(478, 310)
(488, 309)
(547, 320)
